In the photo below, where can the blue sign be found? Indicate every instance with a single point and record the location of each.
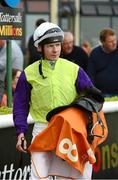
(12, 3)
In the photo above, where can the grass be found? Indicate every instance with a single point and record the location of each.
(5, 110)
(115, 98)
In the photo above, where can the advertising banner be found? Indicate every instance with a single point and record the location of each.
(16, 165)
(11, 23)
(13, 164)
(106, 166)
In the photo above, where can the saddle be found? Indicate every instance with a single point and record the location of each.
(91, 102)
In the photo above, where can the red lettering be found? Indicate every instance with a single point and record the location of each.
(96, 166)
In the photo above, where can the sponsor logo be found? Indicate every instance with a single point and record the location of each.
(66, 147)
(9, 172)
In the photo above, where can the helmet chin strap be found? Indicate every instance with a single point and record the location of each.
(40, 63)
(40, 70)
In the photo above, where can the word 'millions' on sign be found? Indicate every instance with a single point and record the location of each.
(10, 30)
(11, 23)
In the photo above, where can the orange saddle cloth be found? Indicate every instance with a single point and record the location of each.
(66, 135)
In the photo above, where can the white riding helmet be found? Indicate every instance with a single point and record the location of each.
(47, 33)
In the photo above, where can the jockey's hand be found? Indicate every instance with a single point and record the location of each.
(21, 143)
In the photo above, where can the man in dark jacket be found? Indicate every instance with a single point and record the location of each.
(73, 53)
(103, 63)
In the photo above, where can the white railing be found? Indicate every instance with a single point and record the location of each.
(7, 120)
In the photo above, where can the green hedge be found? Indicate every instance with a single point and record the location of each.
(115, 98)
(5, 110)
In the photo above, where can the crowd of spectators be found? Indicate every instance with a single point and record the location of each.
(99, 62)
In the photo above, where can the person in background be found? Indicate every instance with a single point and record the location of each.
(73, 53)
(47, 83)
(103, 63)
(33, 54)
(17, 61)
(15, 76)
(86, 47)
